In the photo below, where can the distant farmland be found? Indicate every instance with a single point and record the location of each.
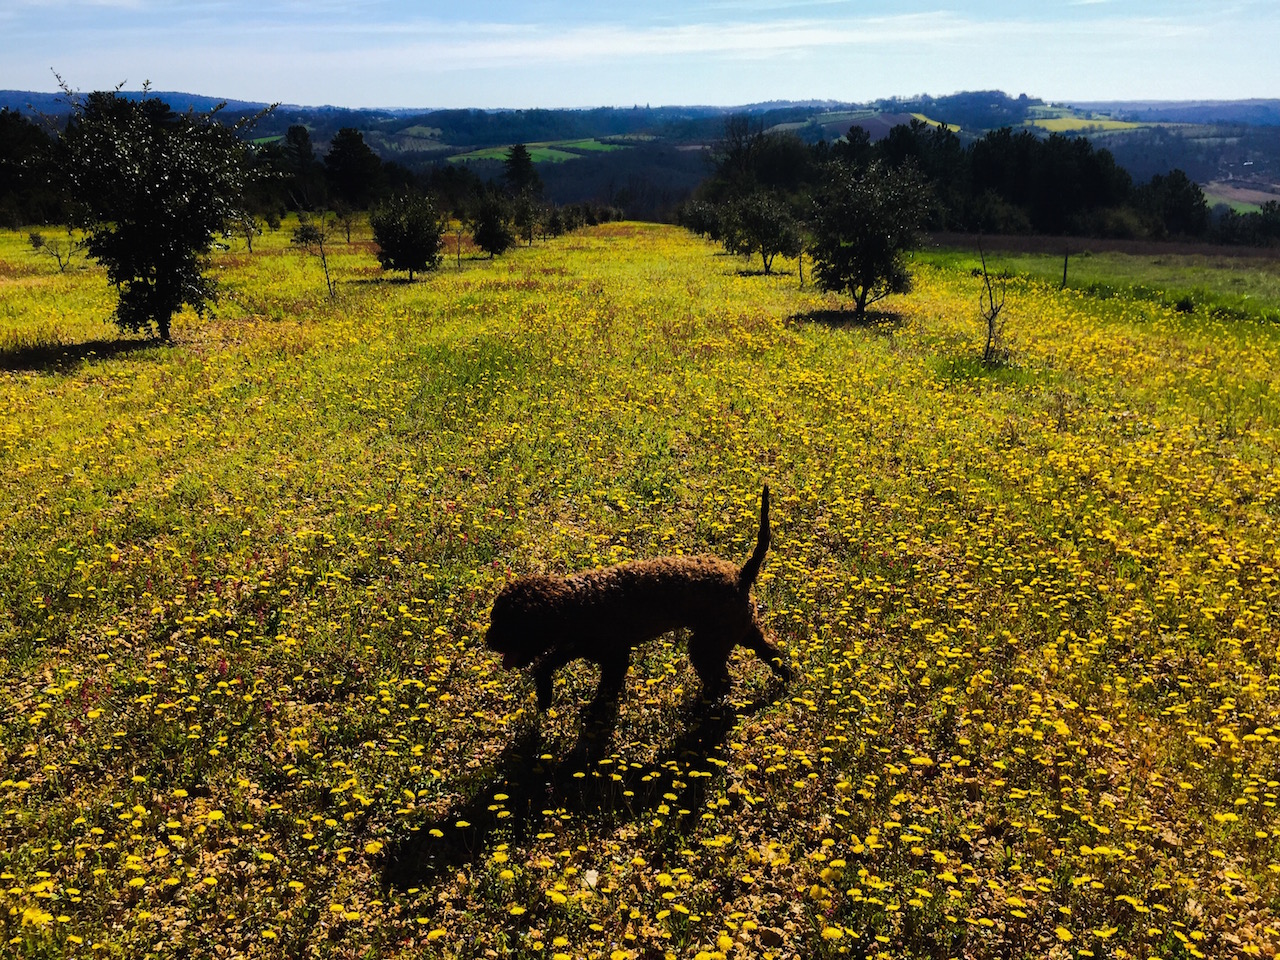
(553, 151)
(1081, 124)
(1069, 120)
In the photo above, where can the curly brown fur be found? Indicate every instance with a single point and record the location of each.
(601, 615)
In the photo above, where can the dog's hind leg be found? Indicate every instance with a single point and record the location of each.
(755, 640)
(710, 658)
(613, 676)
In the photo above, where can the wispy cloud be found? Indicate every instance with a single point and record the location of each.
(447, 46)
(353, 53)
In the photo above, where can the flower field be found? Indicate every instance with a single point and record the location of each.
(245, 709)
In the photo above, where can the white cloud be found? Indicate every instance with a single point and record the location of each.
(440, 46)
(335, 56)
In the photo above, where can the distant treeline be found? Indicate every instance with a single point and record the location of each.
(288, 175)
(1006, 182)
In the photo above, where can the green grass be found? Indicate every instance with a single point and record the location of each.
(1080, 124)
(843, 116)
(1215, 195)
(590, 146)
(553, 151)
(1067, 120)
(1227, 285)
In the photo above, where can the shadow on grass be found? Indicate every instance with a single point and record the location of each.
(42, 357)
(383, 281)
(880, 320)
(1002, 370)
(536, 789)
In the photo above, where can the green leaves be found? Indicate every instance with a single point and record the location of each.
(409, 234)
(152, 189)
(761, 223)
(863, 222)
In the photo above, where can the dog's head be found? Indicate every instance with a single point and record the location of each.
(522, 621)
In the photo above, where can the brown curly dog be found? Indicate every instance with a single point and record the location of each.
(602, 614)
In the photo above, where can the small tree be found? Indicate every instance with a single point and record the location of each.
(153, 189)
(762, 224)
(701, 217)
(554, 224)
(995, 350)
(353, 169)
(248, 225)
(526, 216)
(409, 234)
(490, 226)
(62, 251)
(520, 173)
(345, 219)
(311, 236)
(863, 223)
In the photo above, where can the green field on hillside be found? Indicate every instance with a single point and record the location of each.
(591, 146)
(1067, 120)
(552, 151)
(1082, 124)
(1032, 608)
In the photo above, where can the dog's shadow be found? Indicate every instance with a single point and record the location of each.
(529, 790)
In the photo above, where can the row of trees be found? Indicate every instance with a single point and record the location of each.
(282, 175)
(1004, 182)
(154, 190)
(856, 225)
(409, 229)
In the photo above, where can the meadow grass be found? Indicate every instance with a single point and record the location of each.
(1225, 285)
(247, 711)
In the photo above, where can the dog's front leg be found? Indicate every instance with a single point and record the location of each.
(542, 678)
(544, 671)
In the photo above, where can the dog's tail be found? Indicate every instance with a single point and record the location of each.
(752, 567)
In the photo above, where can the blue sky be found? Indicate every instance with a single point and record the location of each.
(571, 53)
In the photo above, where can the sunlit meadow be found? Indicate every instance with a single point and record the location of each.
(244, 579)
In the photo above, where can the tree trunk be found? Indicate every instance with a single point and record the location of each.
(861, 300)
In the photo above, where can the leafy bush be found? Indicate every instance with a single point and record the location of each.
(409, 233)
(762, 223)
(491, 226)
(153, 189)
(864, 221)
